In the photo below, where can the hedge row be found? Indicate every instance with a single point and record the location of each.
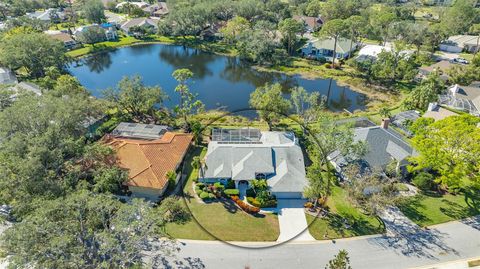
(246, 207)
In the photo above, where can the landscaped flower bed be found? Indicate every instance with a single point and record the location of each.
(246, 207)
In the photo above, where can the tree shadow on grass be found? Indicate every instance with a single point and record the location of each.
(410, 208)
(456, 210)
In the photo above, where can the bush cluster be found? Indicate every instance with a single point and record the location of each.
(231, 192)
(244, 206)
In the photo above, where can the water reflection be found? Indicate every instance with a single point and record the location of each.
(220, 81)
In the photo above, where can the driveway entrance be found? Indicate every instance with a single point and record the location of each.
(292, 220)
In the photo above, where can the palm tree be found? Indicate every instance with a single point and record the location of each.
(199, 164)
(172, 177)
(333, 29)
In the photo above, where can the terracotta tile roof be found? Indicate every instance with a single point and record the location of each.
(149, 162)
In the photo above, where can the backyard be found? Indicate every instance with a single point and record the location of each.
(430, 209)
(341, 211)
(224, 220)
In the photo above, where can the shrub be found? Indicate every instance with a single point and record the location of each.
(308, 205)
(198, 190)
(204, 195)
(246, 207)
(211, 196)
(234, 198)
(217, 184)
(232, 192)
(251, 193)
(253, 201)
(201, 185)
(269, 203)
(328, 65)
(424, 181)
(230, 184)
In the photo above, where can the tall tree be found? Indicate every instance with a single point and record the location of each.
(425, 93)
(189, 104)
(289, 29)
(475, 30)
(86, 230)
(356, 27)
(93, 11)
(135, 101)
(234, 28)
(460, 9)
(270, 103)
(34, 52)
(340, 261)
(334, 29)
(450, 147)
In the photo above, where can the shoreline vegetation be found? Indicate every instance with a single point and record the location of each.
(308, 69)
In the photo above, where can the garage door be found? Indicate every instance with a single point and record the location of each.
(288, 195)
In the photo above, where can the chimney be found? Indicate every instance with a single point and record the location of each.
(385, 123)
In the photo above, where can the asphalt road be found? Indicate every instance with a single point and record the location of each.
(441, 243)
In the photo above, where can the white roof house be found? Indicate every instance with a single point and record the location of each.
(459, 43)
(141, 22)
(466, 98)
(7, 76)
(139, 4)
(371, 52)
(244, 156)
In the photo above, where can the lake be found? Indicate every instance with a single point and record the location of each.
(221, 82)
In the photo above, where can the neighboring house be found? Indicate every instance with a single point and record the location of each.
(67, 39)
(212, 31)
(29, 87)
(437, 112)
(370, 52)
(403, 119)
(141, 5)
(459, 43)
(7, 76)
(243, 155)
(312, 24)
(48, 15)
(149, 23)
(159, 10)
(149, 161)
(140, 131)
(441, 67)
(465, 98)
(384, 145)
(109, 30)
(323, 48)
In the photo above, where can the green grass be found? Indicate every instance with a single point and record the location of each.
(224, 220)
(332, 227)
(428, 210)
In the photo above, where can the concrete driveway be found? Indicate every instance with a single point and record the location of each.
(293, 224)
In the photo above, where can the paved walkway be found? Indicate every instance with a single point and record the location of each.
(398, 224)
(292, 221)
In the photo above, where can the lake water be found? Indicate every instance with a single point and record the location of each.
(221, 82)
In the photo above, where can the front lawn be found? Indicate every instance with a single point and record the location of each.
(333, 226)
(224, 220)
(432, 209)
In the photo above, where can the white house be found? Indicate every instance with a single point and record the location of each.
(323, 48)
(48, 15)
(466, 98)
(459, 43)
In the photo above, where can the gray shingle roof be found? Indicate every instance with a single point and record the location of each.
(384, 145)
(343, 44)
(277, 155)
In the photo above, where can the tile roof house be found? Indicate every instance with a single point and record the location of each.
(323, 48)
(312, 24)
(7, 76)
(243, 156)
(383, 146)
(149, 161)
(459, 43)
